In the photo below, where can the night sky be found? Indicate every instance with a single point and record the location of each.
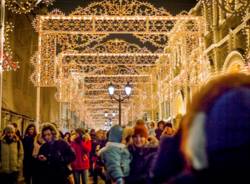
(173, 6)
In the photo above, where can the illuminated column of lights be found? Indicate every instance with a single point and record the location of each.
(1, 55)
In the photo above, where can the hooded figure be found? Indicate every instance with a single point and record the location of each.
(216, 139)
(115, 156)
(11, 156)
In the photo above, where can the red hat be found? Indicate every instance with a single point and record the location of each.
(141, 130)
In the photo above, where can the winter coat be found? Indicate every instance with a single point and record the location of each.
(230, 166)
(169, 161)
(140, 164)
(158, 133)
(28, 146)
(55, 169)
(116, 159)
(11, 155)
(81, 150)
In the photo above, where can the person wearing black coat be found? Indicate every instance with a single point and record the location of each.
(142, 156)
(54, 157)
(216, 139)
(28, 146)
(169, 160)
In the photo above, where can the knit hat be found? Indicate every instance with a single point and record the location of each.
(140, 122)
(141, 130)
(115, 134)
(222, 134)
(228, 122)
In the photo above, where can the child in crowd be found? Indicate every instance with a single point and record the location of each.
(116, 156)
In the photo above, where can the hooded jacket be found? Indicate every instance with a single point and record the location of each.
(11, 156)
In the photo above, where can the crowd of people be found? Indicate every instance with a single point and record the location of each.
(212, 145)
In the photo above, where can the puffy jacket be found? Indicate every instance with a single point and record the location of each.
(82, 151)
(116, 159)
(11, 156)
(141, 163)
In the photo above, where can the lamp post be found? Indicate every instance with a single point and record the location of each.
(119, 98)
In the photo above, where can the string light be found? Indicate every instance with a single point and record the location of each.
(25, 6)
(8, 62)
(72, 51)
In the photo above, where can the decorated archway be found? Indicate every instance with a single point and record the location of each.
(179, 104)
(80, 53)
(234, 63)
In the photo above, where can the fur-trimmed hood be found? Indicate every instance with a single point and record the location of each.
(51, 126)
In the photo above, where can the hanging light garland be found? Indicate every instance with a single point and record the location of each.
(25, 6)
(8, 62)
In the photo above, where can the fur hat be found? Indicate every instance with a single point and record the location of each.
(52, 128)
(141, 130)
(115, 134)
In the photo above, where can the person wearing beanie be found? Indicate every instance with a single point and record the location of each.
(216, 139)
(115, 156)
(140, 122)
(142, 156)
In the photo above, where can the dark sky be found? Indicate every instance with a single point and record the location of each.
(173, 6)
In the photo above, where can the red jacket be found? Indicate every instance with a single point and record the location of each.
(82, 155)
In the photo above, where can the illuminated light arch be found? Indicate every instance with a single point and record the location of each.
(234, 63)
(179, 103)
(84, 30)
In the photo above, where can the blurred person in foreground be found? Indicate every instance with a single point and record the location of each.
(169, 161)
(216, 138)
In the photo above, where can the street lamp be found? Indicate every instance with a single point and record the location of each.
(119, 98)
